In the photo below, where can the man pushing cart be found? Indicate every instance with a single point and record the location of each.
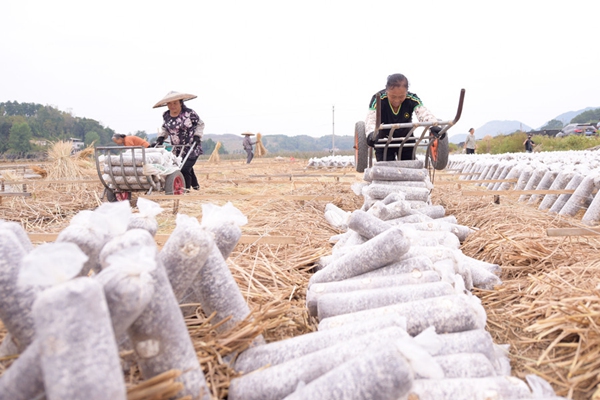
(389, 130)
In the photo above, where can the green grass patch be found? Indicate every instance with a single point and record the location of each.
(513, 143)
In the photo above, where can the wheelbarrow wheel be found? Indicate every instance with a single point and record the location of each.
(110, 196)
(175, 183)
(360, 147)
(437, 153)
(113, 196)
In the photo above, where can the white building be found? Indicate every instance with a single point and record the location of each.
(77, 144)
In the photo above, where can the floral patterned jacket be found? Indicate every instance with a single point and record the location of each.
(181, 130)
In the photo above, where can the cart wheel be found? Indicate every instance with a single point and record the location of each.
(174, 183)
(110, 196)
(360, 147)
(113, 196)
(123, 196)
(437, 153)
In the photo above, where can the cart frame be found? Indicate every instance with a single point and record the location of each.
(174, 183)
(437, 147)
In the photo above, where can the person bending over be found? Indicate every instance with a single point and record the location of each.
(124, 140)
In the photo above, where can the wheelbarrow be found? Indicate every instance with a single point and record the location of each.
(436, 145)
(124, 170)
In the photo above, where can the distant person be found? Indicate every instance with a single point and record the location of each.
(470, 143)
(184, 127)
(126, 140)
(529, 144)
(397, 106)
(247, 143)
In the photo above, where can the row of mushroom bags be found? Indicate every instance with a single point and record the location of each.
(575, 172)
(396, 318)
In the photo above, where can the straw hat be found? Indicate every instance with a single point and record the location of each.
(172, 96)
(248, 134)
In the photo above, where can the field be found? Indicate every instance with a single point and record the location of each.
(271, 276)
(547, 309)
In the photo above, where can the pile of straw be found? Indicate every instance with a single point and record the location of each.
(261, 150)
(62, 164)
(85, 158)
(548, 308)
(39, 170)
(214, 156)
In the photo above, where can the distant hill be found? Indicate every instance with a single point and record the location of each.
(495, 128)
(231, 141)
(566, 118)
(492, 128)
(281, 143)
(458, 139)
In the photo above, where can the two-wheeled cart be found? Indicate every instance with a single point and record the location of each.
(436, 144)
(124, 170)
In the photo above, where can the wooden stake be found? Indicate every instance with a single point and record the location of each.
(512, 192)
(239, 197)
(162, 238)
(573, 231)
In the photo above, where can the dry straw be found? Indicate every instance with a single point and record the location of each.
(160, 387)
(214, 156)
(548, 308)
(261, 150)
(62, 164)
(39, 170)
(53, 205)
(10, 176)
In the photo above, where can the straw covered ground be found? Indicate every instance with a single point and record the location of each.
(547, 309)
(272, 277)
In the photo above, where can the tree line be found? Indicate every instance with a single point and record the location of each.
(27, 128)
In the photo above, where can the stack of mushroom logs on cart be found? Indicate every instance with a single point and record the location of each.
(69, 306)
(137, 165)
(396, 317)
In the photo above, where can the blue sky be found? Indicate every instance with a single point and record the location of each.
(278, 67)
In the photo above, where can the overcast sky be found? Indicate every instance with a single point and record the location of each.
(279, 67)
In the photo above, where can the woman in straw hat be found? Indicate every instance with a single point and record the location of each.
(184, 127)
(248, 146)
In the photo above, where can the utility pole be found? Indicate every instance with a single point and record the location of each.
(333, 130)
